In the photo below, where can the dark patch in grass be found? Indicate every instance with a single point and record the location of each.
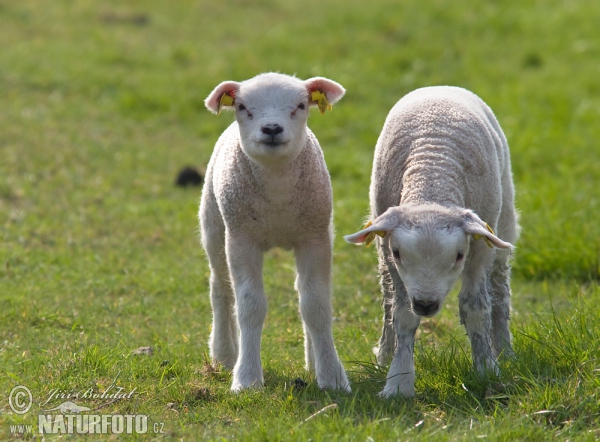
(533, 61)
(195, 397)
(188, 176)
(299, 384)
(203, 394)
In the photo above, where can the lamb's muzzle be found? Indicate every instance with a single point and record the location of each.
(425, 308)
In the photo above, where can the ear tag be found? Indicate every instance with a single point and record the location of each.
(371, 235)
(321, 100)
(226, 100)
(487, 241)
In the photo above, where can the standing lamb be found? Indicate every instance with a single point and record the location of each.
(267, 186)
(441, 177)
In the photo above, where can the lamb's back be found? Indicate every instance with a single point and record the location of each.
(440, 144)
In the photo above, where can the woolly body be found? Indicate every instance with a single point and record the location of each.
(267, 186)
(275, 207)
(441, 177)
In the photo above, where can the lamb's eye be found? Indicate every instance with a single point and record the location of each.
(460, 256)
(241, 107)
(301, 106)
(396, 254)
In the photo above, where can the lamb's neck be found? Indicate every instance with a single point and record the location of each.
(278, 182)
(274, 171)
(432, 175)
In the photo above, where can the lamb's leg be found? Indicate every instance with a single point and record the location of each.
(313, 283)
(389, 279)
(500, 286)
(500, 277)
(245, 265)
(309, 354)
(475, 309)
(401, 376)
(223, 336)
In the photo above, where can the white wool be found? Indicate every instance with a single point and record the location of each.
(267, 186)
(441, 178)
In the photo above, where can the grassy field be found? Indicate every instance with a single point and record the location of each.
(102, 104)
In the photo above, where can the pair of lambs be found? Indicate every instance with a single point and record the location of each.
(441, 167)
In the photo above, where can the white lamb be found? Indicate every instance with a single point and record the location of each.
(267, 186)
(441, 172)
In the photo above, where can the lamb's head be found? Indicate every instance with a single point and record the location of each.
(272, 110)
(429, 244)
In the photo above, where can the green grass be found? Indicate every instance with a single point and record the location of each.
(102, 104)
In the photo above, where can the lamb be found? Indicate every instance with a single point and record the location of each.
(441, 180)
(267, 186)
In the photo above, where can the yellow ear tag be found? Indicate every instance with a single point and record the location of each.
(226, 100)
(371, 235)
(487, 241)
(321, 100)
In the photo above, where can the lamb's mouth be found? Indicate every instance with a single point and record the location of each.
(274, 143)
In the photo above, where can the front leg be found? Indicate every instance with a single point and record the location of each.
(401, 376)
(390, 283)
(245, 262)
(475, 309)
(309, 354)
(500, 294)
(313, 283)
(223, 336)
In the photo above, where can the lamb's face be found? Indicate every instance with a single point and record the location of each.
(272, 118)
(429, 260)
(429, 244)
(271, 110)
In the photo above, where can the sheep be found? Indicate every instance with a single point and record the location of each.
(267, 186)
(441, 179)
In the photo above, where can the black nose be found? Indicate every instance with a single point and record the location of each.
(271, 129)
(425, 308)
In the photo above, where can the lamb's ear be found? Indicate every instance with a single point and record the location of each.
(323, 92)
(382, 225)
(473, 225)
(222, 96)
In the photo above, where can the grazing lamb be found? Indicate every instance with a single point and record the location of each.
(267, 186)
(441, 177)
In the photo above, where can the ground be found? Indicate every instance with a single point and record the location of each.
(102, 106)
